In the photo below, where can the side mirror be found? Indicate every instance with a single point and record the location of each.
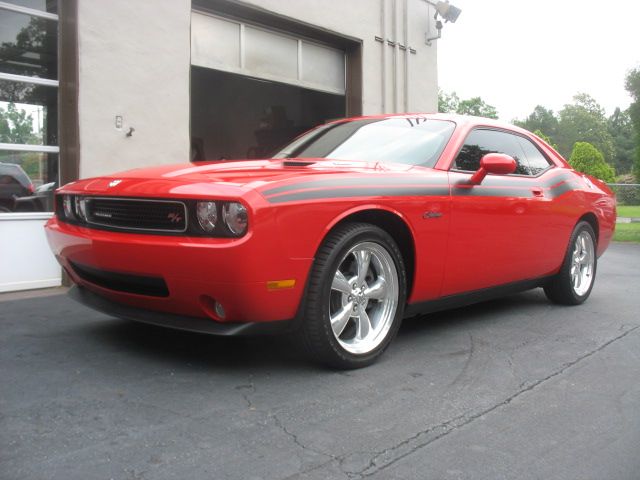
(497, 163)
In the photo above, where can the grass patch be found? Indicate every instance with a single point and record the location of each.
(627, 232)
(629, 211)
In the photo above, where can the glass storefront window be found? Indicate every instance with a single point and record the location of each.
(28, 113)
(28, 106)
(50, 6)
(28, 45)
(27, 181)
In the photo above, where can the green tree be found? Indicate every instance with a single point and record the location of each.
(16, 126)
(451, 103)
(622, 133)
(478, 107)
(541, 119)
(448, 103)
(632, 84)
(588, 159)
(546, 138)
(584, 120)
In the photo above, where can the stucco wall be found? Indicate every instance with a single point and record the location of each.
(134, 61)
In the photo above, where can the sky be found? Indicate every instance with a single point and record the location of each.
(518, 54)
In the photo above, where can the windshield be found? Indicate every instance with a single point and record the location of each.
(414, 141)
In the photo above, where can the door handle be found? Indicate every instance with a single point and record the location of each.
(537, 192)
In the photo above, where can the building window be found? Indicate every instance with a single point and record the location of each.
(28, 105)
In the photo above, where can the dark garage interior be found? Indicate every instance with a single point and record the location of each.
(235, 116)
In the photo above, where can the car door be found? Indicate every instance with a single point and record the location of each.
(498, 228)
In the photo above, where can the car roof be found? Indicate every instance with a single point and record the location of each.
(17, 172)
(452, 117)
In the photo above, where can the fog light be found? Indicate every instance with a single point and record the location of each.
(219, 309)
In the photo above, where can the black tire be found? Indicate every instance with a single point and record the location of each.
(561, 288)
(337, 252)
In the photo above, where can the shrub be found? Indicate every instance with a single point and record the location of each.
(588, 159)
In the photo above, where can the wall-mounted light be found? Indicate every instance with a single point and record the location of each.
(448, 12)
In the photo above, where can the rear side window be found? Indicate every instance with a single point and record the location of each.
(535, 158)
(481, 142)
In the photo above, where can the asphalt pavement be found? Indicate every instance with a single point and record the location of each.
(510, 389)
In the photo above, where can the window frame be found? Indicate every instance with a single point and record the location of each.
(51, 83)
(452, 166)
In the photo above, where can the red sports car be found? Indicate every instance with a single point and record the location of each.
(349, 229)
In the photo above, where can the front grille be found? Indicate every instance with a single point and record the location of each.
(137, 214)
(122, 282)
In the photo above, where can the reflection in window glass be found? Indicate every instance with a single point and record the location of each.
(50, 6)
(28, 114)
(414, 141)
(27, 181)
(536, 160)
(28, 45)
(481, 142)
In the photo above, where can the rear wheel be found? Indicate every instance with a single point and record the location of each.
(355, 297)
(573, 284)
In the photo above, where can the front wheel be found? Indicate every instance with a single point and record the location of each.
(573, 284)
(355, 296)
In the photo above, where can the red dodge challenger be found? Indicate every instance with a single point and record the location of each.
(343, 233)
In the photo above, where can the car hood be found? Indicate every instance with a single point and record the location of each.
(227, 178)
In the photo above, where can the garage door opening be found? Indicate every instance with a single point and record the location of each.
(234, 116)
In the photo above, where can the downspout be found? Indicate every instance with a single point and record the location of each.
(394, 44)
(383, 69)
(406, 56)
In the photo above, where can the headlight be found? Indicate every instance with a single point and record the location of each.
(235, 217)
(81, 207)
(67, 206)
(207, 213)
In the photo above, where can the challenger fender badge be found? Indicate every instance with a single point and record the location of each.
(114, 183)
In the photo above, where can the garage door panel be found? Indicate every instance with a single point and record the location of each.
(271, 54)
(233, 46)
(322, 65)
(215, 42)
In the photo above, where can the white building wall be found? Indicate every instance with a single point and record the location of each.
(134, 62)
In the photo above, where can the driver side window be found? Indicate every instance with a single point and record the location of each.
(480, 142)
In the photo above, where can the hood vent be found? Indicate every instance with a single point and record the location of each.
(297, 163)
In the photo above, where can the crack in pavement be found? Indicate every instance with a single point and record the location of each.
(247, 390)
(278, 423)
(391, 455)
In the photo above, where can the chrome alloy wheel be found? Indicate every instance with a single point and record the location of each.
(582, 262)
(363, 298)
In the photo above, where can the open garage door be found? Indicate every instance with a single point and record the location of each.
(253, 90)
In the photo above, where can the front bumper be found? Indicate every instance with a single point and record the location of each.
(197, 272)
(179, 322)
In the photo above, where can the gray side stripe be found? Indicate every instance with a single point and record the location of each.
(564, 188)
(491, 192)
(348, 182)
(362, 192)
